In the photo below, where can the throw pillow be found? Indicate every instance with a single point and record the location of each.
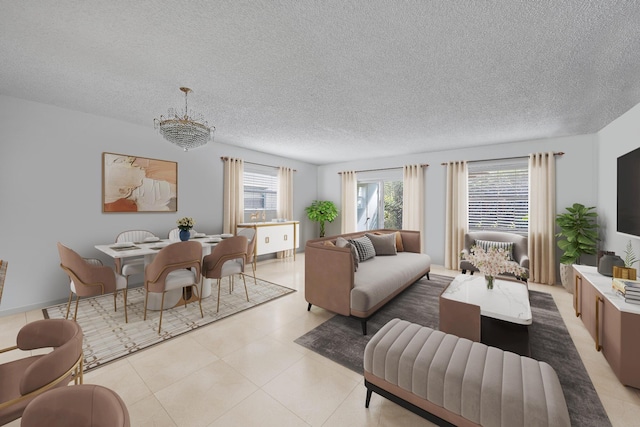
(364, 248)
(384, 244)
(328, 243)
(341, 242)
(487, 244)
(399, 245)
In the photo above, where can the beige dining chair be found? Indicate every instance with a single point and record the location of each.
(175, 266)
(88, 278)
(222, 262)
(250, 234)
(131, 265)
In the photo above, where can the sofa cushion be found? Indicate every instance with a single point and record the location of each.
(487, 244)
(384, 244)
(341, 242)
(364, 248)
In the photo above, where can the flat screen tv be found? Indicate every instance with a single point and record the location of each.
(628, 217)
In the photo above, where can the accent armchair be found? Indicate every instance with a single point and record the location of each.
(519, 247)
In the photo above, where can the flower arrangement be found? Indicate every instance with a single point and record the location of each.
(186, 223)
(493, 262)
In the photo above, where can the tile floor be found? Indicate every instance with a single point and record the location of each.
(246, 370)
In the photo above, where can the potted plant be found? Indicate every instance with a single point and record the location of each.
(630, 258)
(322, 211)
(578, 236)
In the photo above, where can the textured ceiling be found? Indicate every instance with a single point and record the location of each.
(332, 80)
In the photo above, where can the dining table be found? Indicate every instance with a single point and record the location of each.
(148, 250)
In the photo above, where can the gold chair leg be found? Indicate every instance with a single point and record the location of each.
(219, 285)
(146, 298)
(115, 300)
(126, 318)
(200, 297)
(161, 310)
(255, 282)
(75, 314)
(245, 287)
(68, 305)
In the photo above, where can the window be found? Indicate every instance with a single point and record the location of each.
(379, 200)
(260, 193)
(499, 196)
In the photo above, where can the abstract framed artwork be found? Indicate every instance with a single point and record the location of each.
(138, 184)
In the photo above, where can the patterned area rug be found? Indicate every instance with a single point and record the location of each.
(107, 337)
(340, 339)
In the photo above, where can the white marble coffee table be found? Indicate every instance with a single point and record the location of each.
(508, 300)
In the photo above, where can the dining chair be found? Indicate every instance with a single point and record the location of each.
(174, 235)
(130, 266)
(88, 278)
(25, 378)
(175, 266)
(222, 262)
(250, 234)
(81, 405)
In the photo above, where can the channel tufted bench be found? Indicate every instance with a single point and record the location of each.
(454, 381)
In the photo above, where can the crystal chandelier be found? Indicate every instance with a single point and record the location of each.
(184, 131)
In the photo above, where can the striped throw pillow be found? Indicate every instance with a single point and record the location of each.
(487, 244)
(365, 248)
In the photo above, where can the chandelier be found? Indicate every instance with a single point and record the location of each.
(184, 131)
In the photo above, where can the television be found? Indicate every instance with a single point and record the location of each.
(628, 212)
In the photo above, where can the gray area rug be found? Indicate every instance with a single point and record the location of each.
(107, 337)
(340, 339)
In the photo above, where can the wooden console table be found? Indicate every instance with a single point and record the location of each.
(612, 322)
(274, 237)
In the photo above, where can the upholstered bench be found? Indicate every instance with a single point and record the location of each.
(454, 381)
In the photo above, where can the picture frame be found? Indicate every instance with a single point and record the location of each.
(138, 184)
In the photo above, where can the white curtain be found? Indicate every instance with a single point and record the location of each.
(542, 212)
(285, 200)
(457, 213)
(233, 197)
(413, 200)
(349, 202)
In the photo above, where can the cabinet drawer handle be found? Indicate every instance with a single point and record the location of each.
(266, 239)
(286, 237)
(598, 346)
(575, 294)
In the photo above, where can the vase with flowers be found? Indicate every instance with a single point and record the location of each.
(493, 262)
(185, 225)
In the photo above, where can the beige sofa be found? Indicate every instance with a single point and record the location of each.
(332, 283)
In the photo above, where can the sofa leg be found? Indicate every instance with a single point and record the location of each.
(363, 322)
(369, 392)
(428, 278)
(471, 273)
(309, 307)
(464, 271)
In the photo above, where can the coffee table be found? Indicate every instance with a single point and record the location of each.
(497, 317)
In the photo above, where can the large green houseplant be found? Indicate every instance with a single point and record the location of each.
(322, 211)
(578, 236)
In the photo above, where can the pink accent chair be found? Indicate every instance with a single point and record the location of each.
(23, 379)
(130, 266)
(175, 266)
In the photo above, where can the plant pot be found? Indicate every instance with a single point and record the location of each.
(624, 272)
(566, 272)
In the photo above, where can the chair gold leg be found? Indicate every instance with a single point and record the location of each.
(200, 298)
(126, 318)
(146, 298)
(245, 287)
(218, 307)
(255, 282)
(115, 300)
(75, 314)
(161, 310)
(68, 305)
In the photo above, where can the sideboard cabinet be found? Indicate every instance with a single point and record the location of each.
(274, 237)
(613, 323)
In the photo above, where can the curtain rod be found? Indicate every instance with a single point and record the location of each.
(383, 169)
(559, 153)
(257, 164)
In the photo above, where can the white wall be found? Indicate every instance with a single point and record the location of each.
(616, 139)
(576, 177)
(50, 191)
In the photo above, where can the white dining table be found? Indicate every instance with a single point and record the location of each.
(148, 250)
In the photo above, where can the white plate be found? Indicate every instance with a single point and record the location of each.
(215, 240)
(226, 236)
(151, 239)
(199, 235)
(214, 236)
(123, 244)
